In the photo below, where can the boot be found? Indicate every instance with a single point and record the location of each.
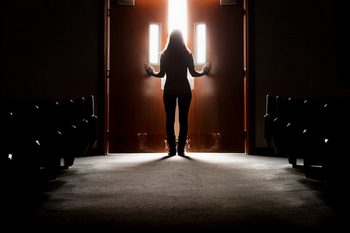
(181, 146)
(171, 146)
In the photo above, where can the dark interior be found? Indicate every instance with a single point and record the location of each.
(55, 97)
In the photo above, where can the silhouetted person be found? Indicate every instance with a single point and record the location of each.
(175, 59)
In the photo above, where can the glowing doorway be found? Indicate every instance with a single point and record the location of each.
(177, 17)
(217, 103)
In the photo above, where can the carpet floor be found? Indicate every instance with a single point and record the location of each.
(219, 192)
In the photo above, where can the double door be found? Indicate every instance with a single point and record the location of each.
(135, 107)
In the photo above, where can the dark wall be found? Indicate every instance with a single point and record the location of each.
(294, 53)
(51, 49)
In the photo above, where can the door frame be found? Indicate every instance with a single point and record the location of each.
(249, 121)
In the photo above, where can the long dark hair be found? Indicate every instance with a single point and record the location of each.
(176, 44)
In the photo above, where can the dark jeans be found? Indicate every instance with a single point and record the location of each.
(184, 101)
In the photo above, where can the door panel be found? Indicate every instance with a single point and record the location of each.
(136, 106)
(137, 119)
(217, 110)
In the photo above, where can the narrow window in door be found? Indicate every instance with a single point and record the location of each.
(200, 43)
(154, 43)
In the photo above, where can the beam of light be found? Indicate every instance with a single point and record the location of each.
(177, 19)
(154, 43)
(200, 43)
(177, 13)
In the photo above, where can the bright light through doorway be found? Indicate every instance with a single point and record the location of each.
(177, 19)
(177, 13)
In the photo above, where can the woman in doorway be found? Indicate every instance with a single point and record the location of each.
(175, 59)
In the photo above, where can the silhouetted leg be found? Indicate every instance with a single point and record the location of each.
(170, 106)
(184, 107)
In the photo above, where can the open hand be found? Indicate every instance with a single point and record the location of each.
(149, 69)
(206, 68)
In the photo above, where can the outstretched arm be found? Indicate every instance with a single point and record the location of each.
(205, 69)
(150, 70)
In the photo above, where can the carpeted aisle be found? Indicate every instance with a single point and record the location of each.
(205, 191)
